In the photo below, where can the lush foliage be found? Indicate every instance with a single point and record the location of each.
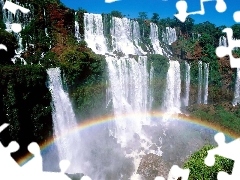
(11, 43)
(227, 119)
(25, 103)
(199, 170)
(158, 67)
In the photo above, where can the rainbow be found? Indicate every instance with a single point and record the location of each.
(153, 114)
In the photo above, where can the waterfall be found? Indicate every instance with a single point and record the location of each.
(154, 39)
(223, 41)
(172, 101)
(203, 73)
(129, 87)
(169, 36)
(64, 121)
(199, 82)
(205, 92)
(137, 37)
(151, 88)
(124, 32)
(236, 99)
(93, 31)
(129, 82)
(77, 33)
(187, 81)
(9, 19)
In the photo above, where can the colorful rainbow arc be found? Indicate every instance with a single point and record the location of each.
(103, 119)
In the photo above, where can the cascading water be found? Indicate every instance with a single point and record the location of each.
(93, 31)
(203, 73)
(154, 39)
(77, 33)
(172, 101)
(169, 36)
(187, 81)
(236, 99)
(151, 89)
(64, 121)
(200, 82)
(205, 79)
(124, 32)
(10, 18)
(129, 87)
(223, 41)
(137, 37)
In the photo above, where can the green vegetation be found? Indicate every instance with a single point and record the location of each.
(25, 103)
(227, 119)
(11, 43)
(160, 66)
(25, 99)
(200, 171)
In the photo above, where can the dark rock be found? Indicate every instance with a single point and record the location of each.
(151, 166)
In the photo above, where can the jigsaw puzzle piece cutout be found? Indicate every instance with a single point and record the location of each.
(159, 178)
(42, 175)
(2, 46)
(4, 125)
(236, 16)
(228, 150)
(34, 165)
(176, 172)
(63, 165)
(12, 7)
(85, 178)
(7, 164)
(222, 51)
(221, 6)
(182, 6)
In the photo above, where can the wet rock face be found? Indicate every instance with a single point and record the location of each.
(151, 166)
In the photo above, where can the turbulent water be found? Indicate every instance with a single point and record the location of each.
(64, 120)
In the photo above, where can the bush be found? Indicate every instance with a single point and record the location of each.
(200, 171)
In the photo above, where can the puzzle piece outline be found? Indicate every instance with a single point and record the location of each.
(228, 150)
(222, 51)
(33, 168)
(182, 6)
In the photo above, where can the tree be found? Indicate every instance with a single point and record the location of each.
(155, 18)
(117, 14)
(185, 27)
(142, 16)
(236, 31)
(144, 24)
